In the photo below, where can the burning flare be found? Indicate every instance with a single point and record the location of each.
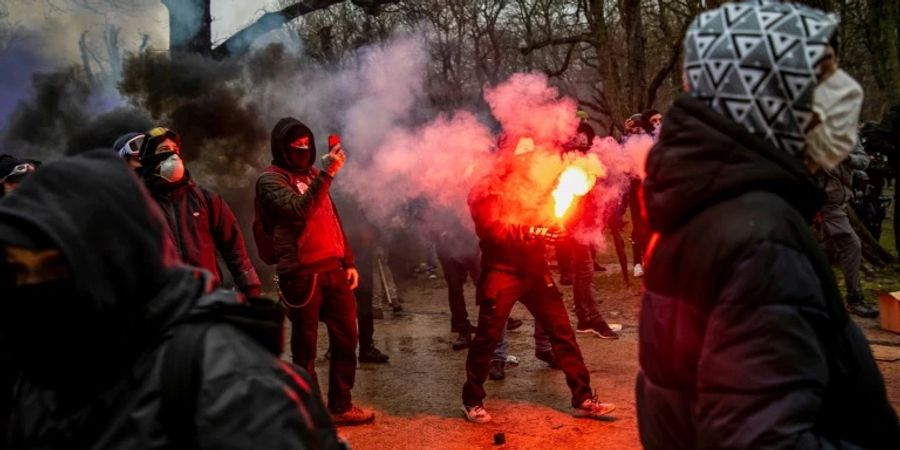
(573, 182)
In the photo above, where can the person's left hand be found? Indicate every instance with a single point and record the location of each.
(352, 278)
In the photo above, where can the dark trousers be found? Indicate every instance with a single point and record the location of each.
(564, 258)
(842, 245)
(500, 291)
(456, 270)
(325, 297)
(364, 316)
(639, 230)
(586, 308)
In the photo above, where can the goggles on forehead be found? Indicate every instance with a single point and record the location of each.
(20, 169)
(132, 147)
(159, 131)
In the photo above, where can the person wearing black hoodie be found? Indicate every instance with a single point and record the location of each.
(314, 263)
(201, 222)
(93, 293)
(744, 339)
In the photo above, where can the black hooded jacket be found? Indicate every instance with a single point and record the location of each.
(744, 340)
(295, 205)
(202, 224)
(98, 385)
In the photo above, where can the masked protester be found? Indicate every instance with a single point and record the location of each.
(12, 171)
(316, 272)
(95, 311)
(511, 221)
(651, 121)
(128, 147)
(633, 125)
(362, 235)
(639, 233)
(201, 223)
(840, 241)
(744, 340)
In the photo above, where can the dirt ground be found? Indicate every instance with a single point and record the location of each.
(417, 395)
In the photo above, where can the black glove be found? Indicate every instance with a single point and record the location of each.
(551, 233)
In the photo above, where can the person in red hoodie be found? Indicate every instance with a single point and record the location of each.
(316, 273)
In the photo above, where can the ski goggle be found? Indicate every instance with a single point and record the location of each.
(19, 170)
(132, 147)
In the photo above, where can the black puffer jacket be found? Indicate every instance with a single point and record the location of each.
(744, 341)
(102, 386)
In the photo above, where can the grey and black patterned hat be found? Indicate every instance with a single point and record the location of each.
(755, 62)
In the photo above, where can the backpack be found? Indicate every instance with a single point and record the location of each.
(181, 374)
(182, 371)
(262, 230)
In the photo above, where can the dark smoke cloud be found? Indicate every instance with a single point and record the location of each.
(40, 126)
(103, 130)
(19, 62)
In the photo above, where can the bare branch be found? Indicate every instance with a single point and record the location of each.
(577, 39)
(240, 42)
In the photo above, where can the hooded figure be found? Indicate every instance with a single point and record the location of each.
(92, 291)
(201, 222)
(316, 272)
(744, 340)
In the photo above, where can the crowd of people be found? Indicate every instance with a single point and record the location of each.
(745, 339)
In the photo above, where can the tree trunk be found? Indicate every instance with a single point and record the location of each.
(190, 29)
(634, 39)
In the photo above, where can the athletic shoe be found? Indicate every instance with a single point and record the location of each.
(497, 371)
(638, 271)
(512, 360)
(476, 414)
(601, 330)
(593, 408)
(373, 355)
(856, 304)
(566, 280)
(547, 357)
(862, 309)
(462, 341)
(512, 324)
(353, 416)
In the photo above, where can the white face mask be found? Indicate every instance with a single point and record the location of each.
(171, 169)
(837, 101)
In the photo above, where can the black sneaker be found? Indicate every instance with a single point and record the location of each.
(462, 341)
(856, 304)
(512, 324)
(373, 355)
(498, 371)
(566, 280)
(601, 330)
(599, 268)
(547, 357)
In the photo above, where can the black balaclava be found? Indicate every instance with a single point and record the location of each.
(287, 130)
(73, 333)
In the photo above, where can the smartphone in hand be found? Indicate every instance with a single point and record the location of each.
(333, 140)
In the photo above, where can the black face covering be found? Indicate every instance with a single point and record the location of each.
(50, 333)
(298, 158)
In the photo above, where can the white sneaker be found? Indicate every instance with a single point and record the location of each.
(512, 359)
(594, 409)
(617, 327)
(476, 414)
(638, 271)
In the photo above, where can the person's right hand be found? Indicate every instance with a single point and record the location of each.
(334, 160)
(548, 233)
